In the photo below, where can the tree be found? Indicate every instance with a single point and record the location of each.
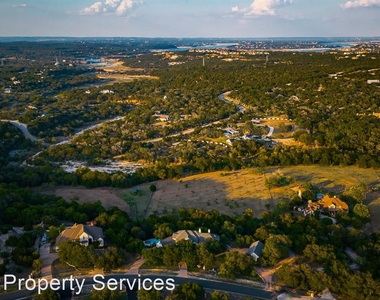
(362, 211)
(189, 291)
(357, 193)
(48, 294)
(172, 256)
(112, 258)
(106, 294)
(206, 258)
(236, 263)
(152, 294)
(276, 248)
(163, 230)
(152, 188)
(217, 295)
(76, 255)
(53, 233)
(37, 265)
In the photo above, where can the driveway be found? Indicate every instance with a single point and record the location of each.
(47, 258)
(134, 270)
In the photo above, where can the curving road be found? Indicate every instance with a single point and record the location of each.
(205, 283)
(24, 128)
(191, 130)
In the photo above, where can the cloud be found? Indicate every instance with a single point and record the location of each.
(20, 5)
(265, 7)
(235, 8)
(360, 3)
(120, 7)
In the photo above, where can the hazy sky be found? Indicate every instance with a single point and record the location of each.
(190, 18)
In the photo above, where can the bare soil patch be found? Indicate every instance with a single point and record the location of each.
(107, 197)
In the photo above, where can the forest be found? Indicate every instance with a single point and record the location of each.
(332, 114)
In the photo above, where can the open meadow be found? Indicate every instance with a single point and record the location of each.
(232, 192)
(229, 192)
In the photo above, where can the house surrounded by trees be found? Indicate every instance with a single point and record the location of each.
(85, 234)
(195, 236)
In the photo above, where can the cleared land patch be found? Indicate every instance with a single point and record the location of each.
(233, 192)
(106, 196)
(373, 202)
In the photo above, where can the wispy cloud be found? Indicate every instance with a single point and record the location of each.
(361, 3)
(20, 5)
(261, 7)
(119, 7)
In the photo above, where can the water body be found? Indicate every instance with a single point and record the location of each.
(211, 46)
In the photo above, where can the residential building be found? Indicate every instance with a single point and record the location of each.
(85, 234)
(195, 236)
(255, 250)
(332, 204)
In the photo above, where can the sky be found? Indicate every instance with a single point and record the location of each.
(190, 18)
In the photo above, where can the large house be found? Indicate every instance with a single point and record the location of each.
(195, 236)
(85, 234)
(332, 204)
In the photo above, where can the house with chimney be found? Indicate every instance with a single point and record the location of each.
(331, 205)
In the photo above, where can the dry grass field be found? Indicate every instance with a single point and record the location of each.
(106, 196)
(120, 78)
(233, 192)
(373, 202)
(228, 192)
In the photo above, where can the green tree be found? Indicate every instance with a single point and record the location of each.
(189, 291)
(362, 211)
(163, 230)
(111, 259)
(217, 295)
(76, 255)
(276, 248)
(106, 294)
(48, 294)
(149, 295)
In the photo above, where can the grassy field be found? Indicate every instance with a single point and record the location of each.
(137, 202)
(228, 192)
(232, 192)
(108, 197)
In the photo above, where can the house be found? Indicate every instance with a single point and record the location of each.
(195, 236)
(85, 234)
(299, 190)
(106, 92)
(332, 205)
(161, 117)
(370, 81)
(255, 250)
(7, 90)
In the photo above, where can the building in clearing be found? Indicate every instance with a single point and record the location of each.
(195, 236)
(332, 204)
(255, 250)
(85, 234)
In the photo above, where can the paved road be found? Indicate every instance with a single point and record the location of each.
(191, 130)
(134, 270)
(24, 128)
(208, 284)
